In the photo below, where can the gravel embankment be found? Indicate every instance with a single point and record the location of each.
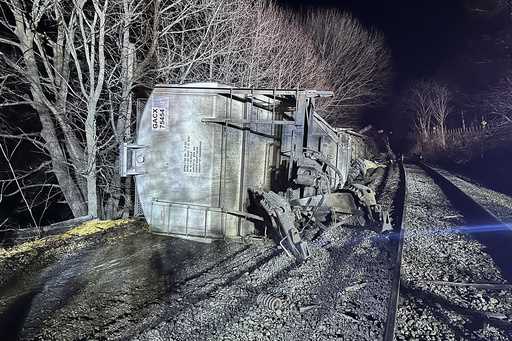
(434, 251)
(147, 287)
(497, 203)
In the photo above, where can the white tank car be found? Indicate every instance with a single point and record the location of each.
(212, 161)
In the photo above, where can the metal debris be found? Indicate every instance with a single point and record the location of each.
(269, 301)
(308, 308)
(498, 316)
(355, 287)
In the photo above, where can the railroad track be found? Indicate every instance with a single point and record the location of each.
(399, 210)
(434, 293)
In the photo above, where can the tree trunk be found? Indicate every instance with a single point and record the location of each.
(123, 130)
(67, 183)
(442, 131)
(90, 135)
(69, 188)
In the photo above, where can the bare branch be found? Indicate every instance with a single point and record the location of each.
(19, 186)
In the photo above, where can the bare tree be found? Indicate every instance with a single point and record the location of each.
(428, 102)
(185, 50)
(91, 48)
(357, 62)
(414, 103)
(65, 67)
(497, 102)
(420, 103)
(41, 62)
(440, 98)
(270, 50)
(286, 53)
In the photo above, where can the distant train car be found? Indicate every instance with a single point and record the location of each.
(213, 161)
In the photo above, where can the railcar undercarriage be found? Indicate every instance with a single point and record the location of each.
(288, 219)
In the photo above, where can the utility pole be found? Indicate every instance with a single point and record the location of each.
(463, 122)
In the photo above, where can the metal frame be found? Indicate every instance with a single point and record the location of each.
(223, 212)
(248, 91)
(128, 152)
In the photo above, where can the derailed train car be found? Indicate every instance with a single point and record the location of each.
(213, 161)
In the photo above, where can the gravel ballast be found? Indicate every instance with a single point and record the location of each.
(434, 250)
(497, 203)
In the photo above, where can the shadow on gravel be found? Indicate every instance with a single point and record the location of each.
(11, 320)
(341, 261)
(212, 267)
(27, 311)
(249, 302)
(498, 241)
(437, 304)
(230, 279)
(169, 315)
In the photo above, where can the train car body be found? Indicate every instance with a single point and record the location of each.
(206, 155)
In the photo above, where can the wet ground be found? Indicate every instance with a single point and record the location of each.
(130, 284)
(98, 291)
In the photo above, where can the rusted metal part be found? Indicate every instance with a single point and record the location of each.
(269, 301)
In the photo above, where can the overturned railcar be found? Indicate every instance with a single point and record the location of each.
(213, 161)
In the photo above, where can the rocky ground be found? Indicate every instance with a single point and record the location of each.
(497, 203)
(436, 255)
(126, 283)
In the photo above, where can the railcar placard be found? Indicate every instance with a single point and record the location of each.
(160, 114)
(192, 156)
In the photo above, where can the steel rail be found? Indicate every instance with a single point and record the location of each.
(400, 207)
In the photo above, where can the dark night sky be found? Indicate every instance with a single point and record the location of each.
(421, 34)
(436, 39)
